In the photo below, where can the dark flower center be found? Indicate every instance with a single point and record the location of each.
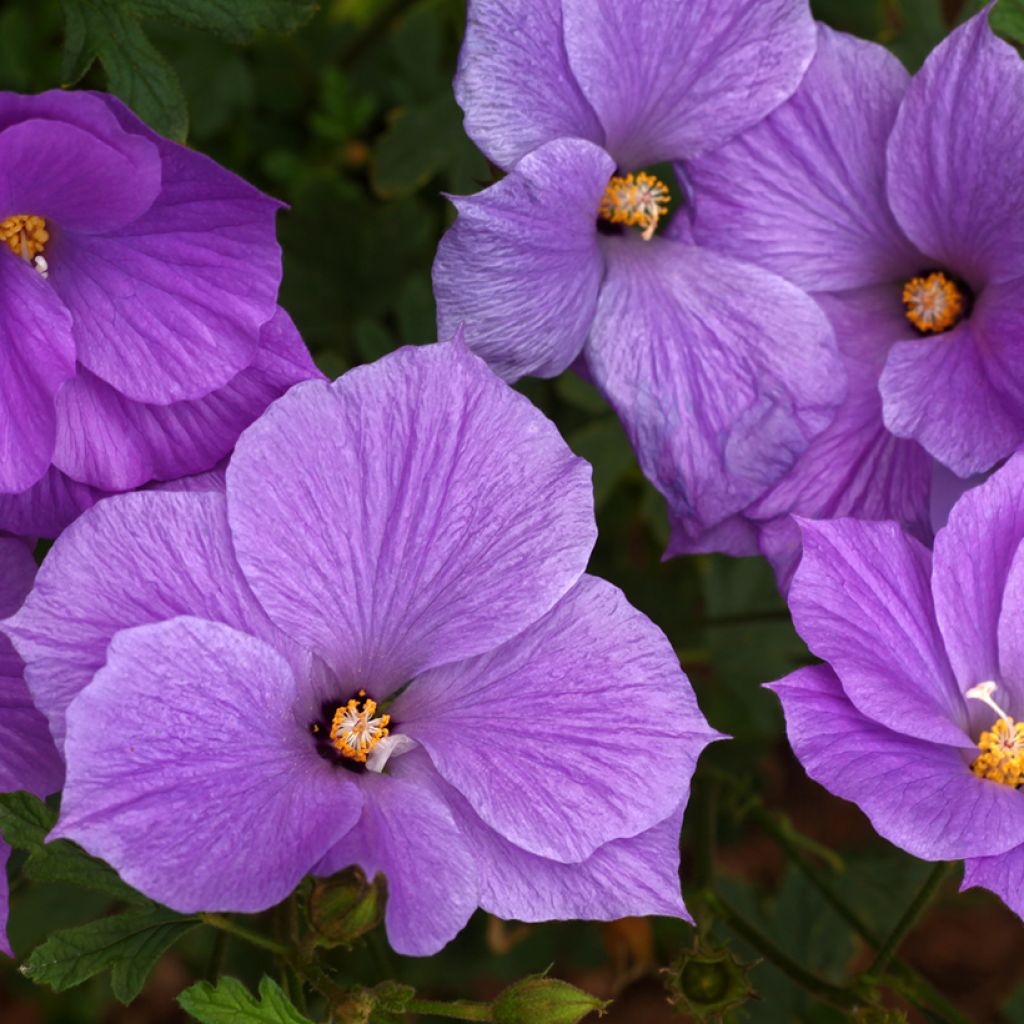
(347, 731)
(634, 200)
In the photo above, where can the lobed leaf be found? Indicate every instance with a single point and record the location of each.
(229, 1002)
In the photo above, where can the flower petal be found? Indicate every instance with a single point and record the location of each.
(581, 730)
(514, 82)
(133, 559)
(940, 391)
(188, 715)
(670, 80)
(47, 507)
(861, 600)
(114, 443)
(170, 307)
(803, 192)
(520, 268)
(36, 356)
(954, 156)
(721, 372)
(414, 512)
(1003, 874)
(408, 834)
(921, 796)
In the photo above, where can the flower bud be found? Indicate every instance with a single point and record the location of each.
(345, 906)
(543, 1000)
(706, 983)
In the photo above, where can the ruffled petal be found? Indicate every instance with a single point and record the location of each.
(415, 512)
(803, 192)
(861, 600)
(133, 559)
(581, 730)
(920, 796)
(409, 835)
(114, 443)
(671, 80)
(520, 269)
(514, 83)
(47, 507)
(188, 715)
(37, 355)
(954, 157)
(721, 372)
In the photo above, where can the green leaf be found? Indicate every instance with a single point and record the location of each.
(1007, 20)
(238, 21)
(136, 71)
(25, 822)
(231, 1003)
(129, 945)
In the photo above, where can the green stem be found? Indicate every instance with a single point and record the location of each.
(892, 943)
(215, 965)
(825, 990)
(462, 1009)
(225, 924)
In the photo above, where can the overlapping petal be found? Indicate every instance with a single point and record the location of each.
(803, 192)
(553, 737)
(922, 796)
(187, 765)
(671, 80)
(47, 507)
(721, 372)
(415, 512)
(521, 268)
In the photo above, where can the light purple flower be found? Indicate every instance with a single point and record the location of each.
(720, 371)
(864, 182)
(138, 281)
(409, 541)
(28, 758)
(916, 713)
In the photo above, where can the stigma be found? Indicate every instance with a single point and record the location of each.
(638, 200)
(26, 236)
(354, 729)
(1002, 747)
(934, 303)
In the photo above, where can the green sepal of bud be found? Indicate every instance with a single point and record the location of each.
(345, 907)
(543, 1000)
(385, 1003)
(707, 982)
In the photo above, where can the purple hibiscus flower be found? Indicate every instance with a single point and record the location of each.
(721, 372)
(377, 647)
(28, 758)
(141, 332)
(897, 203)
(917, 714)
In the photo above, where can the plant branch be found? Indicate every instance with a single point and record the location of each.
(460, 1010)
(225, 924)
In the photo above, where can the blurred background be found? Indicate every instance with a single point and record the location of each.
(350, 119)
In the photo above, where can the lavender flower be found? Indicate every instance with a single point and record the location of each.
(378, 648)
(722, 373)
(917, 714)
(139, 284)
(897, 203)
(28, 759)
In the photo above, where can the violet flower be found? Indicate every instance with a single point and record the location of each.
(28, 759)
(139, 285)
(918, 714)
(378, 648)
(898, 204)
(721, 373)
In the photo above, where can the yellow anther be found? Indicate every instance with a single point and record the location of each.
(638, 200)
(354, 730)
(934, 303)
(26, 236)
(1002, 746)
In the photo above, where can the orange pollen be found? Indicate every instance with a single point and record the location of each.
(354, 730)
(1002, 753)
(638, 200)
(26, 236)
(934, 303)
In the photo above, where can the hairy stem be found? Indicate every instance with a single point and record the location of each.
(226, 924)
(460, 1010)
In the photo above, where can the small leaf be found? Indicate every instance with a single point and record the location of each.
(1007, 20)
(237, 21)
(129, 945)
(230, 1003)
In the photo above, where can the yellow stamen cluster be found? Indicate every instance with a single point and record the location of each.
(354, 730)
(638, 200)
(934, 303)
(1002, 757)
(26, 236)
